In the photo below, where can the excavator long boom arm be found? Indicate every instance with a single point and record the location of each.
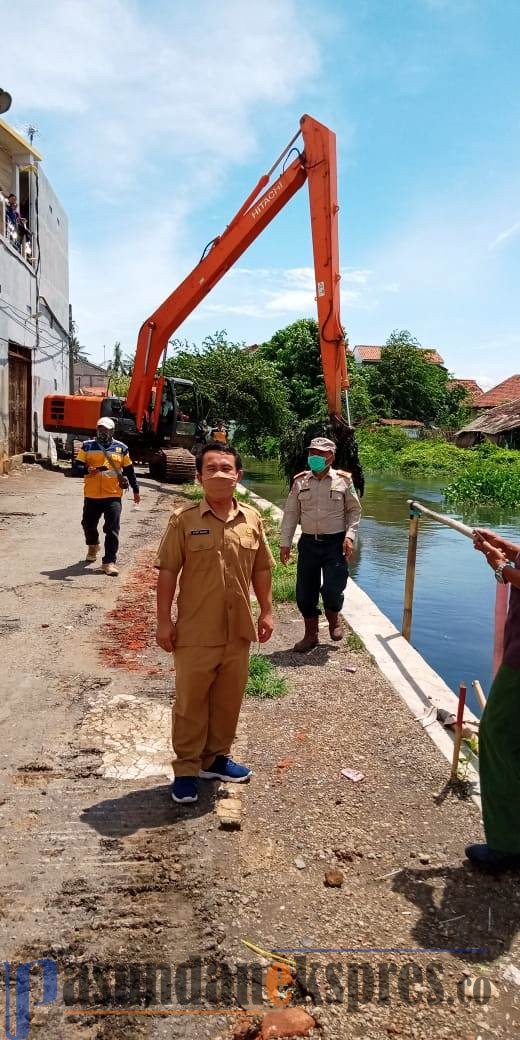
(317, 164)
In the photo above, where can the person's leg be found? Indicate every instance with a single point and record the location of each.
(92, 512)
(335, 575)
(308, 577)
(225, 700)
(499, 762)
(308, 581)
(196, 668)
(112, 514)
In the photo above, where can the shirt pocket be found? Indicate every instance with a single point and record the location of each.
(200, 543)
(249, 540)
(337, 496)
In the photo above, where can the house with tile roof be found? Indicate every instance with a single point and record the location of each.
(473, 390)
(504, 393)
(370, 355)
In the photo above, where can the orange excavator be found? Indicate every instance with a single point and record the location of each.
(155, 419)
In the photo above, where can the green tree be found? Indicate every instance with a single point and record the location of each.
(359, 396)
(295, 353)
(78, 352)
(120, 364)
(237, 385)
(405, 385)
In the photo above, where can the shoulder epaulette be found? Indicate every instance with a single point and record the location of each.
(183, 508)
(253, 509)
(304, 473)
(344, 473)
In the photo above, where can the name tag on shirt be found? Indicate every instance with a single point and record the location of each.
(201, 530)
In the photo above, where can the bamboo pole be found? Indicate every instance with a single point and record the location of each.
(448, 521)
(480, 693)
(458, 731)
(410, 573)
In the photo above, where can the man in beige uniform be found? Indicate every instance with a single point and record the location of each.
(324, 502)
(218, 547)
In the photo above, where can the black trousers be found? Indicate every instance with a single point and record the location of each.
(110, 509)
(317, 556)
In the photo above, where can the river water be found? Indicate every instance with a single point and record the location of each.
(454, 587)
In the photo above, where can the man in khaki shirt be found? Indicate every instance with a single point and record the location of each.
(218, 548)
(324, 502)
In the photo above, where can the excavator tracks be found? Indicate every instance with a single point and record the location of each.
(175, 466)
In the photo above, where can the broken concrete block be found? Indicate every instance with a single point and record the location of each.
(229, 812)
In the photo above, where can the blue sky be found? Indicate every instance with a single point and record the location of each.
(156, 118)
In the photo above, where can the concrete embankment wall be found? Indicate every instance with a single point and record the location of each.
(421, 688)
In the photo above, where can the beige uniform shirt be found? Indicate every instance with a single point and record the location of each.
(325, 506)
(217, 560)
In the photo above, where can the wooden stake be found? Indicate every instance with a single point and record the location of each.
(410, 575)
(480, 693)
(458, 731)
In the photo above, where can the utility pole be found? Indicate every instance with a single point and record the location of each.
(71, 351)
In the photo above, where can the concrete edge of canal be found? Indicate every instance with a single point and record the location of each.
(418, 685)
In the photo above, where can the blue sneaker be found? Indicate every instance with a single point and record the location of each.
(184, 789)
(224, 768)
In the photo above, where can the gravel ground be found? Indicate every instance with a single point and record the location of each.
(397, 837)
(99, 867)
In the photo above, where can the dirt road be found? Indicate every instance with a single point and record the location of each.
(103, 875)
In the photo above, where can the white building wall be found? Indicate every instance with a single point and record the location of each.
(47, 335)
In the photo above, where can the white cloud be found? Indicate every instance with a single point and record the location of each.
(148, 107)
(286, 293)
(146, 83)
(116, 288)
(506, 236)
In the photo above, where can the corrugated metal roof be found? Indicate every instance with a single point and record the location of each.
(497, 420)
(400, 422)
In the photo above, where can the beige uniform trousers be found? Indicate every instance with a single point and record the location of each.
(210, 682)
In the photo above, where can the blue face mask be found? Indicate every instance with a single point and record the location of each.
(317, 463)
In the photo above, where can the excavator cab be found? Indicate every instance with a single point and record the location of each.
(177, 425)
(181, 421)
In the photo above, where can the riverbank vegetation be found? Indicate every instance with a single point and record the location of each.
(272, 397)
(474, 476)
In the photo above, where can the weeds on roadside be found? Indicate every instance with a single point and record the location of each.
(354, 643)
(193, 491)
(264, 683)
